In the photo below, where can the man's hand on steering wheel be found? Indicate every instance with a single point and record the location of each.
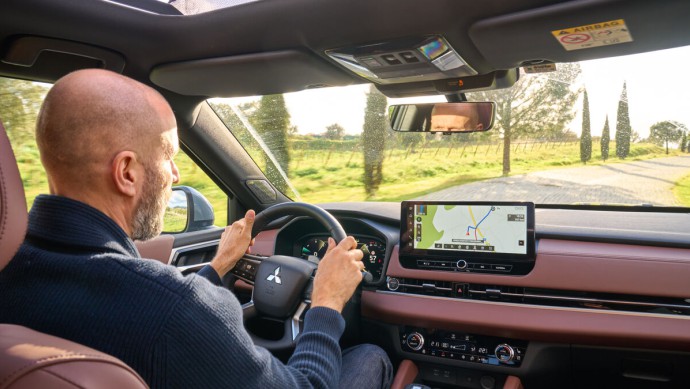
(285, 286)
(339, 273)
(234, 243)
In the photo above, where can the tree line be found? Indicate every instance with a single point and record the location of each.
(536, 107)
(661, 133)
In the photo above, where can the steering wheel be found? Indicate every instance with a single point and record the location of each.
(282, 284)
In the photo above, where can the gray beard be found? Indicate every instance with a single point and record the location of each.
(148, 217)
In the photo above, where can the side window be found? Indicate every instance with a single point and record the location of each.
(192, 175)
(20, 102)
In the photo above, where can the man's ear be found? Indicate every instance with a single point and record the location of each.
(127, 172)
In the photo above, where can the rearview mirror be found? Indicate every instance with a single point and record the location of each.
(443, 117)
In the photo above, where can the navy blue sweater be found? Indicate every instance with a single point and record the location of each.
(78, 276)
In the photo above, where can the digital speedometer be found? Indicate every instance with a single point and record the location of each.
(374, 254)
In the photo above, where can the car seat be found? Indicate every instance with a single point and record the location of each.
(30, 359)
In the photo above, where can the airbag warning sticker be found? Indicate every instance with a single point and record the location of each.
(593, 35)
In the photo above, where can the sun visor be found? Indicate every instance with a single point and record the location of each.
(249, 75)
(48, 59)
(581, 30)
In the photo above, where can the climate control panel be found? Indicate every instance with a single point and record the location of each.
(463, 347)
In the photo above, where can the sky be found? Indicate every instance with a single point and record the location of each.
(657, 91)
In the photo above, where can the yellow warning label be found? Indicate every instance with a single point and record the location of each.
(593, 35)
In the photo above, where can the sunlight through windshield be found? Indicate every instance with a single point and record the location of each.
(596, 132)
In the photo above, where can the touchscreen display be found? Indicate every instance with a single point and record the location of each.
(485, 228)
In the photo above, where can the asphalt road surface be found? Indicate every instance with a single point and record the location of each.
(638, 182)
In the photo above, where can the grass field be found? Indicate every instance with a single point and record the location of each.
(407, 175)
(329, 175)
(682, 191)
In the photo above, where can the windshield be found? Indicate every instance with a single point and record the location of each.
(610, 131)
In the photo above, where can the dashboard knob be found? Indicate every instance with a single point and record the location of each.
(461, 264)
(415, 341)
(392, 283)
(505, 353)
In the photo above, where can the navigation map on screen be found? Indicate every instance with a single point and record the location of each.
(477, 228)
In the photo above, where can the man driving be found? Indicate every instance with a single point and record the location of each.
(107, 143)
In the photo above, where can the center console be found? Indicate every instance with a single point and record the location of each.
(478, 237)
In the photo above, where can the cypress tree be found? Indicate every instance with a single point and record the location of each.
(605, 139)
(623, 130)
(586, 137)
(374, 140)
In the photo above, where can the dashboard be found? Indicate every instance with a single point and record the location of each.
(601, 297)
(607, 297)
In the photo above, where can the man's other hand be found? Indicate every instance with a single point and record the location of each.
(234, 243)
(340, 271)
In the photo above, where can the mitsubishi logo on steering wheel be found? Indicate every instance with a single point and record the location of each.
(275, 277)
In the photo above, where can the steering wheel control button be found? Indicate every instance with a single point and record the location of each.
(392, 283)
(415, 341)
(504, 353)
(461, 264)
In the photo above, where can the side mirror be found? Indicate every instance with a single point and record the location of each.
(188, 210)
(443, 117)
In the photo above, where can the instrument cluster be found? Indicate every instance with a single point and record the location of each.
(374, 251)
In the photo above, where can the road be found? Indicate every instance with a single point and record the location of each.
(638, 182)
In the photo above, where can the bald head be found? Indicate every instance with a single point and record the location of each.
(109, 141)
(91, 115)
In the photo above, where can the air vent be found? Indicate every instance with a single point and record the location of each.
(426, 287)
(607, 301)
(263, 190)
(547, 297)
(495, 293)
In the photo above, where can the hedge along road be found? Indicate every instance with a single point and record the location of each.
(638, 182)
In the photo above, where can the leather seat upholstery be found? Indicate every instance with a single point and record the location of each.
(30, 359)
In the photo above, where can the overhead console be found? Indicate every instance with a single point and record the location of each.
(479, 237)
(407, 60)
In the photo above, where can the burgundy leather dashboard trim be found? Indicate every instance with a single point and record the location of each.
(158, 248)
(513, 382)
(243, 286)
(564, 265)
(265, 242)
(585, 266)
(406, 374)
(529, 322)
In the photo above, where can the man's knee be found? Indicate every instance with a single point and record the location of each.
(373, 354)
(366, 365)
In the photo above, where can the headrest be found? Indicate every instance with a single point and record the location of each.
(13, 215)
